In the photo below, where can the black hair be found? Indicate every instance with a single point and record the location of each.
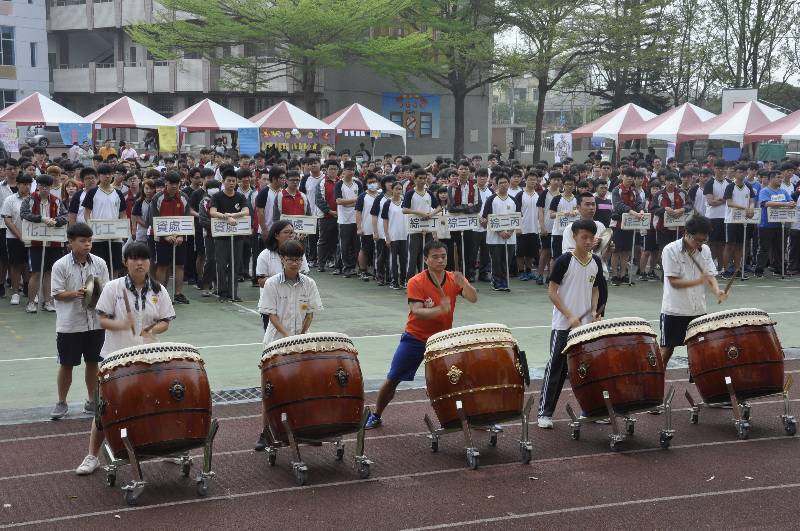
(583, 196)
(568, 178)
(584, 224)
(349, 164)
(275, 173)
(291, 249)
(207, 172)
(136, 250)
(431, 245)
(243, 172)
(289, 174)
(87, 171)
(172, 177)
(79, 230)
(420, 173)
(105, 169)
(698, 224)
(271, 242)
(228, 172)
(24, 179)
(44, 180)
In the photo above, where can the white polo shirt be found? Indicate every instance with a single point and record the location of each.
(10, 209)
(717, 189)
(677, 264)
(485, 194)
(393, 212)
(291, 302)
(269, 264)
(575, 283)
(530, 212)
(740, 196)
(346, 215)
(498, 205)
(70, 275)
(559, 205)
(364, 205)
(568, 240)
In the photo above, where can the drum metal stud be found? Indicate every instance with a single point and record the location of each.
(177, 390)
(651, 358)
(268, 388)
(732, 351)
(342, 376)
(454, 374)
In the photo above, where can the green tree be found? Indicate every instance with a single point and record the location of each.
(293, 38)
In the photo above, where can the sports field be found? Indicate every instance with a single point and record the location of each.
(229, 335)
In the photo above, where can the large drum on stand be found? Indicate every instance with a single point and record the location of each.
(619, 356)
(316, 380)
(740, 344)
(159, 392)
(481, 366)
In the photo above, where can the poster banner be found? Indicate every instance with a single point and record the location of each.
(248, 141)
(418, 112)
(298, 140)
(562, 146)
(71, 133)
(168, 139)
(670, 150)
(9, 137)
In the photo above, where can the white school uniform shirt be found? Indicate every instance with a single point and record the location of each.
(5, 192)
(717, 189)
(575, 283)
(383, 200)
(269, 264)
(69, 275)
(289, 302)
(147, 306)
(530, 213)
(312, 189)
(485, 194)
(366, 218)
(502, 206)
(564, 205)
(677, 263)
(544, 203)
(739, 196)
(397, 220)
(346, 215)
(568, 240)
(10, 209)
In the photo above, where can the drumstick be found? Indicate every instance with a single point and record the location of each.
(589, 312)
(455, 255)
(128, 309)
(730, 283)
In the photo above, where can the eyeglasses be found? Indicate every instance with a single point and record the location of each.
(698, 240)
(292, 259)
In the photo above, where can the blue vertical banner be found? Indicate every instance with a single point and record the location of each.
(71, 133)
(248, 141)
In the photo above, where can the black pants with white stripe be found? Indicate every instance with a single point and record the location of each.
(554, 374)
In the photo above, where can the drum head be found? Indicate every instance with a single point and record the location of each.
(608, 327)
(318, 342)
(728, 319)
(150, 353)
(469, 336)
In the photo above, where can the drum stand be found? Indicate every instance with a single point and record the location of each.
(741, 410)
(473, 456)
(135, 488)
(616, 437)
(299, 468)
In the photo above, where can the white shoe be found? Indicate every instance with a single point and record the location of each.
(48, 307)
(545, 423)
(89, 465)
(31, 308)
(15, 299)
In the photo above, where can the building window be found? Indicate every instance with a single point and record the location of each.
(425, 124)
(164, 105)
(8, 97)
(6, 46)
(33, 55)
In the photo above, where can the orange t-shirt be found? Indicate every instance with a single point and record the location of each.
(422, 289)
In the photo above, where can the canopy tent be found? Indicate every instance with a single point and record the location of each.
(209, 116)
(609, 125)
(786, 128)
(37, 109)
(285, 116)
(128, 114)
(357, 120)
(668, 126)
(734, 124)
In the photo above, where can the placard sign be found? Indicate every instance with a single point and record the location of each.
(461, 222)
(501, 222)
(564, 220)
(673, 222)
(737, 215)
(631, 223)
(174, 226)
(110, 229)
(416, 224)
(783, 215)
(302, 224)
(42, 233)
(221, 227)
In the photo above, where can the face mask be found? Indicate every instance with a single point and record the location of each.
(372, 187)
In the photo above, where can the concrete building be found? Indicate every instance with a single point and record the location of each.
(93, 62)
(23, 50)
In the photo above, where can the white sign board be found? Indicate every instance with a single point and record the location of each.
(461, 222)
(110, 229)
(783, 215)
(671, 222)
(173, 226)
(221, 227)
(302, 224)
(631, 223)
(415, 224)
(501, 222)
(737, 215)
(564, 221)
(40, 232)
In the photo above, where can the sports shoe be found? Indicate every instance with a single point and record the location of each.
(89, 465)
(89, 407)
(497, 286)
(2, 290)
(540, 281)
(336, 272)
(394, 285)
(615, 281)
(524, 276)
(180, 298)
(236, 299)
(48, 307)
(262, 442)
(546, 423)
(59, 411)
(643, 277)
(31, 308)
(652, 275)
(15, 299)
(726, 275)
(206, 293)
(373, 421)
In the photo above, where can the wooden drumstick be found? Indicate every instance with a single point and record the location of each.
(455, 257)
(128, 309)
(730, 283)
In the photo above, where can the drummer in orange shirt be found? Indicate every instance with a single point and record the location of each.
(431, 303)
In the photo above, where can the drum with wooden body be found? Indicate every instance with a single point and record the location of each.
(159, 392)
(316, 380)
(620, 356)
(740, 344)
(481, 366)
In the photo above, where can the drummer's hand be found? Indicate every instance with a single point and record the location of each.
(461, 280)
(721, 296)
(130, 322)
(147, 334)
(444, 306)
(596, 317)
(574, 322)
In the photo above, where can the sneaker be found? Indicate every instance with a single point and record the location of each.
(236, 299)
(484, 278)
(615, 281)
(206, 293)
(224, 299)
(364, 276)
(652, 275)
(757, 274)
(262, 442)
(602, 421)
(180, 298)
(373, 421)
(89, 465)
(497, 286)
(505, 286)
(48, 307)
(524, 277)
(2, 290)
(643, 277)
(727, 275)
(89, 407)
(744, 277)
(546, 423)
(394, 285)
(540, 281)
(626, 280)
(31, 308)
(349, 273)
(59, 411)
(336, 272)
(321, 270)
(15, 299)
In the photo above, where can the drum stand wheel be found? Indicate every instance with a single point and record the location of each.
(618, 436)
(741, 410)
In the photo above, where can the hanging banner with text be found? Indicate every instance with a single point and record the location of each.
(9, 136)
(168, 139)
(248, 141)
(71, 133)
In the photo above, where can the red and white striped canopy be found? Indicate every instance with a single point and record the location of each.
(668, 126)
(37, 109)
(128, 113)
(734, 124)
(786, 128)
(609, 125)
(285, 116)
(209, 116)
(357, 120)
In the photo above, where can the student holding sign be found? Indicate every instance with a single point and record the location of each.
(740, 195)
(17, 252)
(714, 192)
(625, 200)
(464, 198)
(366, 253)
(501, 243)
(769, 234)
(106, 202)
(671, 202)
(394, 228)
(230, 205)
(562, 207)
(418, 202)
(42, 207)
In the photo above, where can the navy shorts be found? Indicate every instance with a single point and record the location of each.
(72, 346)
(407, 359)
(673, 329)
(51, 256)
(164, 253)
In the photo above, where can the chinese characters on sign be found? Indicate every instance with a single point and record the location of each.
(564, 221)
(110, 229)
(221, 227)
(631, 223)
(302, 224)
(500, 222)
(173, 226)
(42, 233)
(737, 215)
(783, 215)
(675, 222)
(457, 223)
(415, 224)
